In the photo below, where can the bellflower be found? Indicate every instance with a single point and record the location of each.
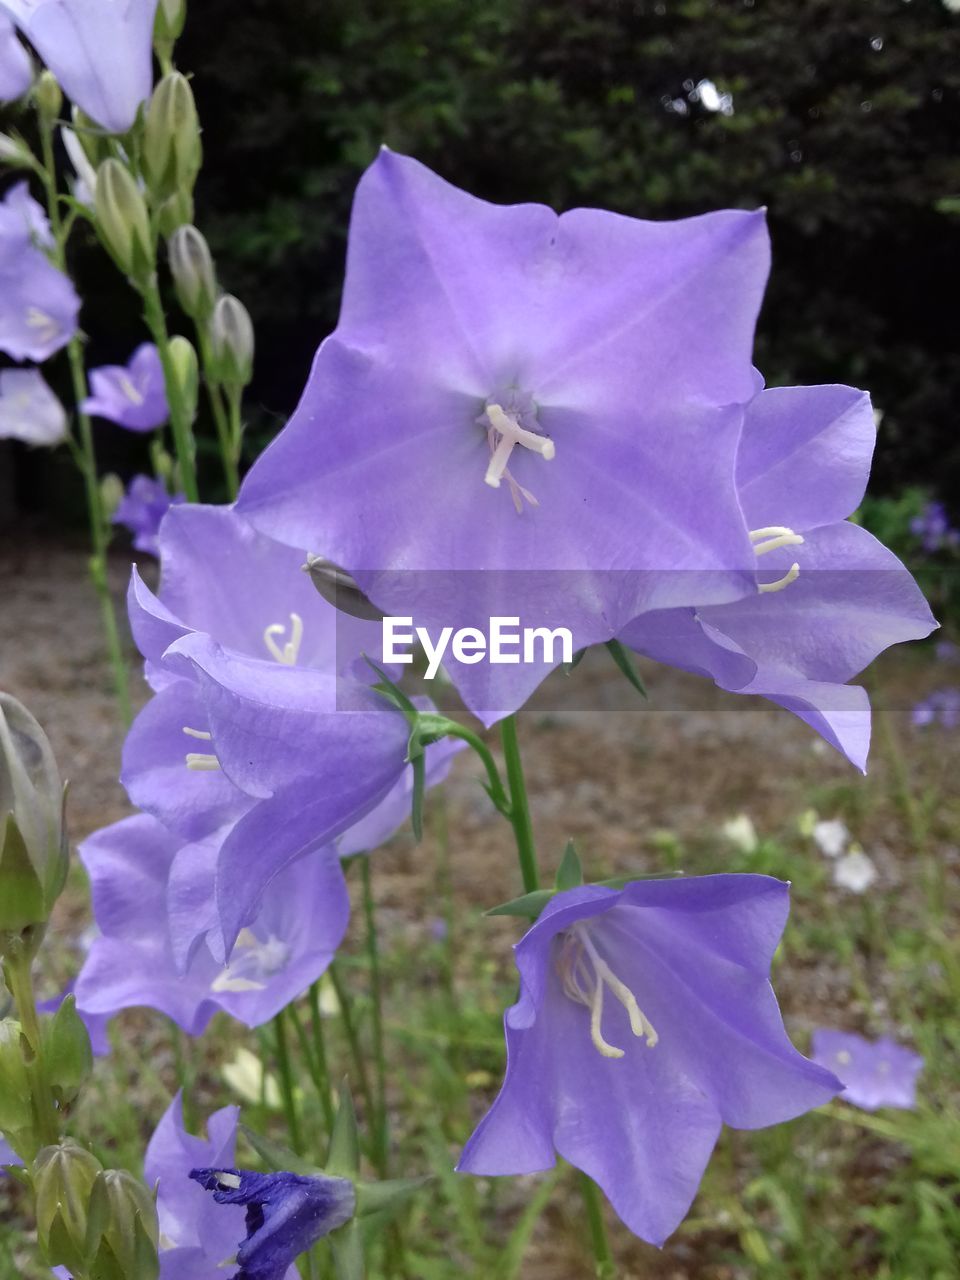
(29, 410)
(875, 1073)
(646, 1020)
(131, 395)
(160, 946)
(940, 707)
(932, 526)
(287, 1213)
(101, 54)
(141, 510)
(258, 719)
(16, 69)
(524, 414)
(829, 597)
(38, 304)
(23, 221)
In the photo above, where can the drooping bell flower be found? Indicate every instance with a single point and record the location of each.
(160, 945)
(23, 221)
(645, 1022)
(828, 598)
(141, 511)
(875, 1073)
(287, 1213)
(131, 395)
(29, 410)
(101, 54)
(16, 69)
(524, 415)
(38, 304)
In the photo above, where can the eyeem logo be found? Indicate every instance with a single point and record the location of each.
(505, 642)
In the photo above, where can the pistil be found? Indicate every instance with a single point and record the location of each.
(585, 974)
(771, 538)
(290, 651)
(504, 433)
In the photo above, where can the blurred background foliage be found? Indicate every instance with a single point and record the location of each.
(846, 115)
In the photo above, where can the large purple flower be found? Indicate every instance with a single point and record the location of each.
(527, 415)
(16, 69)
(38, 304)
(141, 511)
(131, 395)
(875, 1073)
(646, 1020)
(101, 53)
(160, 945)
(829, 598)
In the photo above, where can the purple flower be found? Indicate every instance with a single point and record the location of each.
(526, 415)
(16, 69)
(23, 222)
(287, 1213)
(940, 707)
(646, 1020)
(38, 304)
(160, 945)
(258, 720)
(131, 395)
(29, 410)
(830, 597)
(101, 54)
(141, 510)
(875, 1073)
(932, 526)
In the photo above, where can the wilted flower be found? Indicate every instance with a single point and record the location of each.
(287, 1213)
(131, 395)
(29, 410)
(830, 835)
(875, 1073)
(854, 871)
(100, 53)
(532, 397)
(829, 598)
(646, 1020)
(16, 69)
(940, 707)
(741, 832)
(142, 509)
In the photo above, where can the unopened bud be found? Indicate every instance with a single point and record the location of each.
(67, 1055)
(111, 493)
(175, 212)
(191, 265)
(125, 1241)
(63, 1179)
(231, 336)
(48, 96)
(186, 371)
(14, 152)
(339, 589)
(15, 1110)
(162, 463)
(122, 220)
(168, 27)
(33, 850)
(171, 138)
(91, 137)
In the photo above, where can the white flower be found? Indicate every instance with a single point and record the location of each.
(741, 832)
(830, 837)
(29, 410)
(854, 871)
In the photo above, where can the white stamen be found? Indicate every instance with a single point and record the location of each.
(129, 390)
(37, 319)
(200, 762)
(290, 652)
(792, 574)
(252, 962)
(584, 974)
(197, 733)
(771, 538)
(511, 434)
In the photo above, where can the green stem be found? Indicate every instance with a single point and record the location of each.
(229, 454)
(495, 788)
(19, 979)
(519, 805)
(353, 1040)
(320, 1048)
(605, 1266)
(381, 1141)
(180, 422)
(286, 1083)
(85, 455)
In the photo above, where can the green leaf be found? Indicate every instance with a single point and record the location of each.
(343, 1158)
(67, 1053)
(624, 661)
(530, 905)
(276, 1156)
(21, 892)
(347, 1248)
(388, 1197)
(570, 871)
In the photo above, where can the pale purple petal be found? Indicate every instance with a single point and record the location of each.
(16, 69)
(38, 305)
(131, 395)
(29, 410)
(878, 1073)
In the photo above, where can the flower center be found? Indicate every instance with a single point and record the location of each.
(772, 538)
(510, 419)
(130, 391)
(290, 651)
(252, 964)
(585, 976)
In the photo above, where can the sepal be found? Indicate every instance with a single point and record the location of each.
(67, 1054)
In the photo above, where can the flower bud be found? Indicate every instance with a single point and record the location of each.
(122, 220)
(339, 589)
(15, 1111)
(163, 464)
(171, 138)
(63, 1179)
(168, 27)
(175, 212)
(124, 1244)
(48, 96)
(14, 153)
(33, 850)
(91, 137)
(67, 1055)
(191, 266)
(186, 371)
(231, 335)
(111, 493)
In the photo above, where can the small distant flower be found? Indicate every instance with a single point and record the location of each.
(16, 69)
(646, 1021)
(287, 1213)
(946, 650)
(854, 871)
(830, 836)
(932, 526)
(101, 54)
(940, 707)
(875, 1073)
(249, 1079)
(741, 832)
(29, 410)
(142, 509)
(711, 99)
(131, 395)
